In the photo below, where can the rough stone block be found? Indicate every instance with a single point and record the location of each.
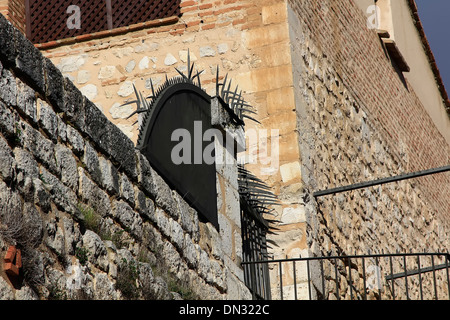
(8, 51)
(76, 140)
(7, 120)
(144, 173)
(97, 253)
(267, 35)
(90, 159)
(38, 145)
(73, 105)
(110, 176)
(280, 100)
(47, 119)
(275, 13)
(126, 189)
(176, 234)
(163, 194)
(9, 88)
(30, 62)
(190, 251)
(64, 198)
(93, 195)
(26, 100)
(54, 85)
(290, 171)
(26, 163)
(7, 161)
(67, 166)
(128, 217)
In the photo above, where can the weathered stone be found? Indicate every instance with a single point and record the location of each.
(67, 166)
(26, 100)
(90, 91)
(183, 54)
(126, 189)
(42, 196)
(76, 140)
(35, 224)
(222, 48)
(106, 72)
(73, 105)
(26, 293)
(8, 50)
(61, 195)
(126, 89)
(83, 76)
(176, 234)
(163, 194)
(144, 63)
(72, 235)
(130, 66)
(55, 237)
(6, 291)
(97, 253)
(293, 215)
(6, 120)
(121, 112)
(170, 60)
(7, 161)
(37, 144)
(93, 195)
(54, 85)
(207, 51)
(104, 288)
(110, 176)
(162, 222)
(71, 64)
(29, 61)
(290, 171)
(226, 234)
(47, 119)
(90, 159)
(128, 218)
(127, 129)
(190, 251)
(121, 149)
(9, 88)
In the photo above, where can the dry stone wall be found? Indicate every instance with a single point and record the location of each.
(92, 218)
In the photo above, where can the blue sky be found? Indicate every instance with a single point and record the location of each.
(435, 16)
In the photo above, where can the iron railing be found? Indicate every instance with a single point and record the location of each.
(398, 276)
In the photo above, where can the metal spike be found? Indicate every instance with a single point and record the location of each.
(217, 81)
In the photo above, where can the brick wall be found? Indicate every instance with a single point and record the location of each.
(359, 121)
(337, 31)
(86, 209)
(14, 11)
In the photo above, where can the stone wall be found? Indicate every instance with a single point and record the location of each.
(91, 217)
(358, 120)
(316, 74)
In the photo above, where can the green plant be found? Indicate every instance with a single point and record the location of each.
(82, 255)
(91, 220)
(127, 279)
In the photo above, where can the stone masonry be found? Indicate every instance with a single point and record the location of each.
(92, 218)
(319, 76)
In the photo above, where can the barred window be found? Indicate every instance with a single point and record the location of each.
(49, 20)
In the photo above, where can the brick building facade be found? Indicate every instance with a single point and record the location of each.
(327, 88)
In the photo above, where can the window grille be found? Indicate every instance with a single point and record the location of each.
(47, 20)
(255, 197)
